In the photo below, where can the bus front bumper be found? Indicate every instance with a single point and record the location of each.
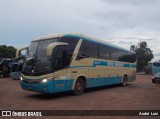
(51, 86)
(41, 87)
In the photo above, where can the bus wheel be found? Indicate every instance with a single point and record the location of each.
(79, 87)
(124, 83)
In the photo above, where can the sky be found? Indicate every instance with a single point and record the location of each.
(121, 22)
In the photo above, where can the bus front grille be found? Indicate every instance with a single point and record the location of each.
(31, 81)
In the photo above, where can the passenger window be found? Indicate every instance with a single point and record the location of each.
(88, 49)
(62, 57)
(97, 50)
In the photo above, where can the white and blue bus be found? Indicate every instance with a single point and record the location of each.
(75, 62)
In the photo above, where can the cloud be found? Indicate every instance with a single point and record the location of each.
(122, 22)
(131, 2)
(130, 13)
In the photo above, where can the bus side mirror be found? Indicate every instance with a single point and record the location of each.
(18, 53)
(53, 45)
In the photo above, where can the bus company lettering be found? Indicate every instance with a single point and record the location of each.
(118, 65)
(97, 63)
(110, 63)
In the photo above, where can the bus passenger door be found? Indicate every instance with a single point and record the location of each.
(61, 62)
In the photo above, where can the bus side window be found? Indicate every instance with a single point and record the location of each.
(110, 56)
(81, 55)
(127, 57)
(60, 57)
(72, 43)
(105, 52)
(88, 49)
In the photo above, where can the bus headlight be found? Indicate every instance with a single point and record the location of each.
(21, 78)
(44, 80)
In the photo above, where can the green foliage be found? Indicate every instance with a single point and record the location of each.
(7, 51)
(143, 53)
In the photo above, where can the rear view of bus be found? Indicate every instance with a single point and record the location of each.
(74, 62)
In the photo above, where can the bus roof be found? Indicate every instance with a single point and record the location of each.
(78, 35)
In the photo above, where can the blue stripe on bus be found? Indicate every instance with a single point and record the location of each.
(103, 63)
(54, 86)
(103, 81)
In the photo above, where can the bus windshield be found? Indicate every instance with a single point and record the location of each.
(37, 62)
(32, 49)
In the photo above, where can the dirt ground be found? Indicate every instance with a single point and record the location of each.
(138, 95)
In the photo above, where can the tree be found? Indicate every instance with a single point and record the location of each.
(7, 51)
(143, 53)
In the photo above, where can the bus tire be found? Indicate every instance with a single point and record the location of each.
(79, 87)
(124, 83)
